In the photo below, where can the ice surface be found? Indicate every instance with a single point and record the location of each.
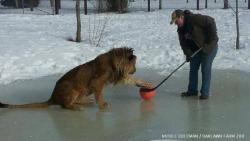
(130, 118)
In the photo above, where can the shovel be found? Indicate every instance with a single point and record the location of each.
(147, 94)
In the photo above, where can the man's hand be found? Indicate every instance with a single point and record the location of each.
(188, 58)
(188, 54)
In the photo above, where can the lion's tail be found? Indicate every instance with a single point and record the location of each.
(32, 105)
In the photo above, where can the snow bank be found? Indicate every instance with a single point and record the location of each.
(35, 45)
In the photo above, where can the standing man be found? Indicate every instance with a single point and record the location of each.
(197, 31)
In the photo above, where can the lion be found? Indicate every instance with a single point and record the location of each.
(72, 90)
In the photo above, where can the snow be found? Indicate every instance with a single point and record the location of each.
(33, 46)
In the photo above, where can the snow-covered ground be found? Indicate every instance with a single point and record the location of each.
(35, 45)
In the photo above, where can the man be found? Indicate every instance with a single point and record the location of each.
(197, 31)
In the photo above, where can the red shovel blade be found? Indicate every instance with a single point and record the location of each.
(147, 94)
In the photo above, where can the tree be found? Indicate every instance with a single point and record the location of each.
(117, 5)
(78, 19)
(31, 4)
(225, 4)
(148, 5)
(237, 26)
(100, 6)
(122, 6)
(17, 3)
(248, 4)
(57, 4)
(85, 7)
(198, 4)
(236, 12)
(160, 4)
(52, 4)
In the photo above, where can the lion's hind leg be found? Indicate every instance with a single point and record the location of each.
(70, 101)
(85, 100)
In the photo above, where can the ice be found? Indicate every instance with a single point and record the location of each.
(130, 118)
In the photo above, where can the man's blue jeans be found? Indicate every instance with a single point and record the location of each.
(205, 61)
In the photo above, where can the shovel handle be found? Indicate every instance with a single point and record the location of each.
(175, 70)
(196, 52)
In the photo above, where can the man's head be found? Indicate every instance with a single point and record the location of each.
(178, 17)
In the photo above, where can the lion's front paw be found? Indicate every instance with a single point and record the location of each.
(104, 105)
(148, 85)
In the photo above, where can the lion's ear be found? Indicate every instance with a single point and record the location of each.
(131, 50)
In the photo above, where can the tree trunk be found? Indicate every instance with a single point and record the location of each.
(31, 5)
(85, 7)
(248, 4)
(225, 4)
(237, 26)
(206, 4)
(148, 5)
(214, 1)
(78, 18)
(119, 5)
(100, 6)
(16, 2)
(198, 4)
(160, 4)
(57, 3)
(187, 1)
(52, 4)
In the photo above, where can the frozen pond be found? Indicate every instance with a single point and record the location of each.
(168, 116)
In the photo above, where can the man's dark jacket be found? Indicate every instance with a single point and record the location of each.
(198, 31)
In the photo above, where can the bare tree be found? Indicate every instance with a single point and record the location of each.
(97, 26)
(17, 3)
(225, 4)
(248, 4)
(160, 4)
(100, 6)
(236, 13)
(237, 26)
(85, 7)
(78, 19)
(31, 5)
(148, 5)
(57, 5)
(117, 5)
(122, 6)
(198, 4)
(52, 4)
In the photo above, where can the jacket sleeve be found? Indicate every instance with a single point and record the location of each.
(183, 44)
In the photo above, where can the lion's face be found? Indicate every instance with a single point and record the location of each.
(131, 64)
(124, 60)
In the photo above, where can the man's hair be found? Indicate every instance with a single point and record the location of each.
(179, 13)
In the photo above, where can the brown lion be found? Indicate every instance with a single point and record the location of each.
(73, 88)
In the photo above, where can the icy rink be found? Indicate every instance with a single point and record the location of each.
(167, 116)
